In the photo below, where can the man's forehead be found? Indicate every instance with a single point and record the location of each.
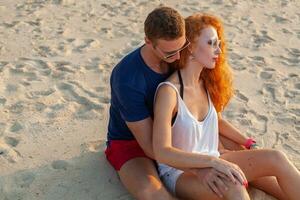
(171, 45)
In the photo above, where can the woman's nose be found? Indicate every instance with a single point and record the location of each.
(218, 51)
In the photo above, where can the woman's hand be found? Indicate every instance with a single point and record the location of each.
(231, 170)
(214, 180)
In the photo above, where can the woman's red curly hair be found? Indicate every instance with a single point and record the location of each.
(218, 81)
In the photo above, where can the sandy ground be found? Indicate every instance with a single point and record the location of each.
(55, 61)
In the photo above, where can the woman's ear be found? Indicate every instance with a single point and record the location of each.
(190, 49)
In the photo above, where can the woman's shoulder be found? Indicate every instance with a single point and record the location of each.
(173, 79)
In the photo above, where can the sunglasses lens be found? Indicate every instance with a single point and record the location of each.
(173, 54)
(215, 44)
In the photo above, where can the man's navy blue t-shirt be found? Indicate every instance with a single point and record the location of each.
(133, 85)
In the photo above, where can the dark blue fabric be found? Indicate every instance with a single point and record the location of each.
(133, 85)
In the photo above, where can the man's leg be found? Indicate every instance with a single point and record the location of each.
(140, 177)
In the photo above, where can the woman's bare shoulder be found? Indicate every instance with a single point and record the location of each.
(173, 78)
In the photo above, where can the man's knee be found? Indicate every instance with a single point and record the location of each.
(153, 190)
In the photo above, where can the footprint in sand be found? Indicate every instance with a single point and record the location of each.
(25, 179)
(40, 106)
(2, 101)
(261, 39)
(17, 108)
(16, 127)
(241, 96)
(65, 66)
(80, 45)
(45, 51)
(93, 64)
(290, 143)
(70, 93)
(273, 94)
(41, 93)
(267, 73)
(10, 88)
(280, 19)
(94, 146)
(291, 61)
(2, 128)
(286, 119)
(258, 122)
(29, 74)
(2, 65)
(11, 141)
(297, 86)
(235, 62)
(7, 151)
(60, 164)
(286, 31)
(258, 60)
(9, 24)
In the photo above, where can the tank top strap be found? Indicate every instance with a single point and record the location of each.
(174, 87)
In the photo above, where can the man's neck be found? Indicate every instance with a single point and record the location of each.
(152, 61)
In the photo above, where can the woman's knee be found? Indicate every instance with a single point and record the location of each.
(277, 156)
(236, 191)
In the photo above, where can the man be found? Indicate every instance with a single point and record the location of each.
(133, 83)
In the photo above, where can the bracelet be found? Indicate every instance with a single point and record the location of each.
(249, 143)
(254, 145)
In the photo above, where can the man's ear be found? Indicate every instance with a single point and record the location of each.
(147, 41)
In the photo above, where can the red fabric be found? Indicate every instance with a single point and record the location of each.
(119, 152)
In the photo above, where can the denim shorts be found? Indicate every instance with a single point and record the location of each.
(169, 179)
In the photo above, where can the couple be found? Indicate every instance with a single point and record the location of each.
(165, 119)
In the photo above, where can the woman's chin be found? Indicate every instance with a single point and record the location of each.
(212, 66)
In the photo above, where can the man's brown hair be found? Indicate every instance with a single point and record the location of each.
(164, 23)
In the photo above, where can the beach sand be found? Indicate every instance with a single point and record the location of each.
(56, 57)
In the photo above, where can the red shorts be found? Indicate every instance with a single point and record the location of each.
(118, 152)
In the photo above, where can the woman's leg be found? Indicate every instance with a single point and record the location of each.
(192, 187)
(139, 176)
(266, 162)
(267, 184)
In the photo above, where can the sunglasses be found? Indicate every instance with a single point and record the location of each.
(168, 55)
(215, 44)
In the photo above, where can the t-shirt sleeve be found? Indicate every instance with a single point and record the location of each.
(132, 103)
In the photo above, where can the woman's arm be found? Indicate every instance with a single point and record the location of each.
(228, 130)
(165, 103)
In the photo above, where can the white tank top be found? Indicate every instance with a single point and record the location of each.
(190, 135)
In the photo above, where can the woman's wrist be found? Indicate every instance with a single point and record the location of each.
(250, 143)
(214, 162)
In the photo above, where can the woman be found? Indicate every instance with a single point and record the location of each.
(187, 122)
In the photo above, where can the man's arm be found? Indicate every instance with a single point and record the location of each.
(142, 131)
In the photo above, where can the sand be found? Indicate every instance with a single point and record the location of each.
(56, 57)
